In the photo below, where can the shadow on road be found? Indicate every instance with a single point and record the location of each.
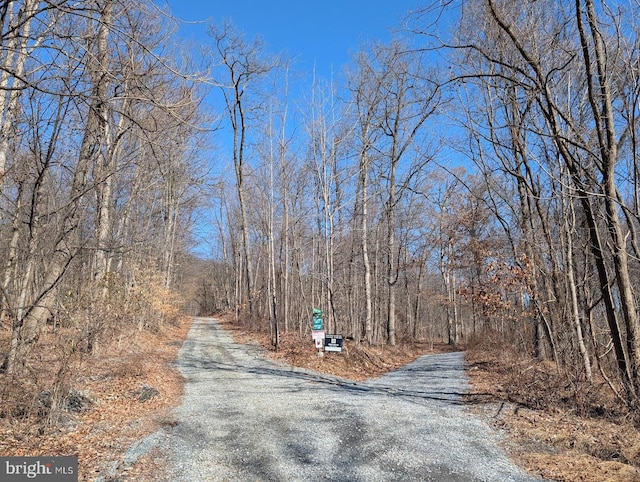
(444, 373)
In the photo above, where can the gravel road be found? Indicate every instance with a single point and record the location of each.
(246, 418)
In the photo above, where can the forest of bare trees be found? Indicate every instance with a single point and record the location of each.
(98, 181)
(460, 182)
(476, 176)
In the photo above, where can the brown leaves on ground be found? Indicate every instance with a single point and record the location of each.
(356, 361)
(555, 432)
(112, 379)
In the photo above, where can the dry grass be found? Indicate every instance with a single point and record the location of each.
(111, 378)
(559, 431)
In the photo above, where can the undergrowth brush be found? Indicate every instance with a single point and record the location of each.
(565, 427)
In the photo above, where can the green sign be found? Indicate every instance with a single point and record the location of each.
(317, 319)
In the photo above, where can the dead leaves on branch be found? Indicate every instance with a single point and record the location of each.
(505, 291)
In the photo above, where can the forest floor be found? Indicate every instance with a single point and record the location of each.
(116, 381)
(548, 441)
(549, 434)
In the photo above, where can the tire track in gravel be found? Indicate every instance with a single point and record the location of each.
(246, 418)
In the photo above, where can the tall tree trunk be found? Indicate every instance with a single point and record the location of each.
(26, 328)
(392, 271)
(284, 246)
(13, 58)
(244, 225)
(364, 246)
(600, 98)
(575, 313)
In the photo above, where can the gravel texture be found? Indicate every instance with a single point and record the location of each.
(246, 418)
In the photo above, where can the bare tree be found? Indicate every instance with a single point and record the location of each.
(396, 99)
(243, 65)
(82, 116)
(366, 92)
(564, 66)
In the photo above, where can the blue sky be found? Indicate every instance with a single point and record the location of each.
(321, 34)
